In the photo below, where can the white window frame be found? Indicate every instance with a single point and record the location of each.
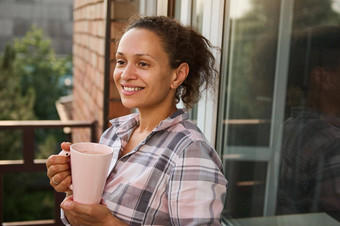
(208, 105)
(147, 7)
(185, 17)
(212, 30)
(162, 7)
(270, 154)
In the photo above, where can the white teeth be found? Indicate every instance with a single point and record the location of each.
(131, 89)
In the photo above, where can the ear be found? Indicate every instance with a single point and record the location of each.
(180, 75)
(322, 78)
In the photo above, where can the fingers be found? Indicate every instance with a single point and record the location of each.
(63, 185)
(58, 170)
(88, 214)
(80, 209)
(81, 212)
(59, 177)
(56, 159)
(66, 146)
(56, 164)
(66, 205)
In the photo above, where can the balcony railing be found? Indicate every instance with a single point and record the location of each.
(30, 164)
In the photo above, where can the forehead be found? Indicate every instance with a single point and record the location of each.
(140, 39)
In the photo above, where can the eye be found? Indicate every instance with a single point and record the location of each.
(120, 62)
(143, 64)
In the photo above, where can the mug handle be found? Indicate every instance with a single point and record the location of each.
(66, 153)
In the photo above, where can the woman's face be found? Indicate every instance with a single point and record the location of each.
(142, 73)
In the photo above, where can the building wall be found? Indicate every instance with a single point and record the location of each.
(88, 64)
(53, 16)
(92, 101)
(121, 11)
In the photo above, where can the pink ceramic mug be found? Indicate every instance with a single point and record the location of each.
(90, 163)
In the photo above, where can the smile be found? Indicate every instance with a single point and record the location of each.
(132, 89)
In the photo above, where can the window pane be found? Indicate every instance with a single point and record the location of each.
(309, 179)
(246, 184)
(279, 137)
(248, 104)
(197, 14)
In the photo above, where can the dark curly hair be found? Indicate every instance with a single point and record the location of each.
(183, 45)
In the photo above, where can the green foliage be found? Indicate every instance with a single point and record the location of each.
(27, 197)
(8, 58)
(50, 144)
(40, 69)
(14, 104)
(30, 76)
(254, 42)
(30, 83)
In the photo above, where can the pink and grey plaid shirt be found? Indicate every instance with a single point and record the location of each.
(173, 177)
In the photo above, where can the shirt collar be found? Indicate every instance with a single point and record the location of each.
(177, 117)
(307, 113)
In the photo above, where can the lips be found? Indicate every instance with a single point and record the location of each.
(129, 90)
(132, 89)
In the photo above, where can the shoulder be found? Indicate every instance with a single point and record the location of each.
(190, 132)
(195, 145)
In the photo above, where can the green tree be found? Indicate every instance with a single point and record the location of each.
(14, 105)
(39, 68)
(30, 83)
(254, 51)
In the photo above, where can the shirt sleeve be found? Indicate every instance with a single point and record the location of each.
(63, 218)
(197, 187)
(327, 177)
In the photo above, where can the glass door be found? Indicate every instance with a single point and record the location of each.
(246, 100)
(264, 78)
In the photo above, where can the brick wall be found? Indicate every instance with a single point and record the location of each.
(88, 64)
(90, 98)
(121, 11)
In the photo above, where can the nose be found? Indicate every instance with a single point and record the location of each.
(128, 72)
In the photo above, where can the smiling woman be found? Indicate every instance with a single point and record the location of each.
(143, 75)
(166, 171)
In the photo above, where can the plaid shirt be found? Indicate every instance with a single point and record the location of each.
(310, 167)
(173, 177)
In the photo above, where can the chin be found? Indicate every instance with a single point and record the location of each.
(129, 104)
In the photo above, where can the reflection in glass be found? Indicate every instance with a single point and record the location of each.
(197, 14)
(308, 160)
(248, 102)
(309, 179)
(310, 155)
(251, 74)
(197, 22)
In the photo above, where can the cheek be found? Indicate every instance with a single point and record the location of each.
(116, 76)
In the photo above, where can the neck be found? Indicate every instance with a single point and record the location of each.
(150, 118)
(324, 104)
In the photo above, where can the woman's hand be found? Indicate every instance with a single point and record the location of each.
(88, 214)
(58, 170)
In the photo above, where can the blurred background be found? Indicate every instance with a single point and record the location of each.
(56, 64)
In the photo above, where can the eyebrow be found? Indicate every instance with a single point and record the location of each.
(137, 54)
